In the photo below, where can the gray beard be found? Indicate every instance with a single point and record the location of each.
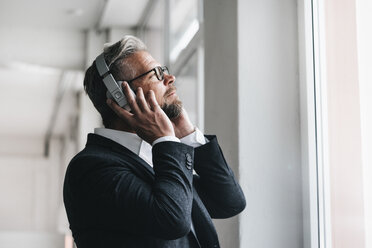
(172, 110)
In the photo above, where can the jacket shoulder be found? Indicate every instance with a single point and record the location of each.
(89, 160)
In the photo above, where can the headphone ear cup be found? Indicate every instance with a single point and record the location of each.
(108, 95)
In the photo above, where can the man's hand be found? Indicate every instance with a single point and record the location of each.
(182, 125)
(148, 120)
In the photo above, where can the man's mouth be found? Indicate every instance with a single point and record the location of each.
(170, 92)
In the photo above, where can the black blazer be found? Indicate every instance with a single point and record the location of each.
(113, 198)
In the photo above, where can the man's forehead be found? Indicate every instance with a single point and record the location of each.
(142, 60)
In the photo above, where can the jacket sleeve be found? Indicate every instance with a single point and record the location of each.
(215, 181)
(114, 198)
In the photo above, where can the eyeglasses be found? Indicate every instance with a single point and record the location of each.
(159, 72)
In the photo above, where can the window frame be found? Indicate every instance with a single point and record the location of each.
(314, 123)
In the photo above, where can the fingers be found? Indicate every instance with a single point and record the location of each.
(122, 113)
(141, 101)
(130, 98)
(152, 100)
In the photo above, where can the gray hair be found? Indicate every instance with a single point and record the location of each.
(115, 56)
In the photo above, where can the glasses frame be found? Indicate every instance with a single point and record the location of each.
(159, 72)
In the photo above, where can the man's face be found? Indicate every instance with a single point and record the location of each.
(165, 91)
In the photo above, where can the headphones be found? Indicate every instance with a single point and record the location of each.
(114, 90)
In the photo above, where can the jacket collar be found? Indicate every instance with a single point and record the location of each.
(129, 140)
(122, 151)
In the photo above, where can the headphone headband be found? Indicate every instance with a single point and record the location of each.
(109, 81)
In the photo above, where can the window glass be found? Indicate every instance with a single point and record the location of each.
(154, 32)
(183, 25)
(186, 83)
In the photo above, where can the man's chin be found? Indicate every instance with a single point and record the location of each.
(173, 110)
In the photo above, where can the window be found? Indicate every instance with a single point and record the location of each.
(173, 36)
(153, 31)
(183, 25)
(342, 88)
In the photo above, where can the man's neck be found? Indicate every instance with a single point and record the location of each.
(120, 126)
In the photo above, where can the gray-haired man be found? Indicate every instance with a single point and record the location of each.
(133, 184)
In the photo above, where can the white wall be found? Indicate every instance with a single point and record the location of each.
(221, 94)
(31, 240)
(115, 34)
(269, 124)
(252, 104)
(31, 193)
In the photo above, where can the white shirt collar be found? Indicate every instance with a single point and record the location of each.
(129, 140)
(143, 149)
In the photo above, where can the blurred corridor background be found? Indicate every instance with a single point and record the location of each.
(285, 85)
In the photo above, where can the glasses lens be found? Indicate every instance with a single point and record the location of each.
(159, 73)
(165, 69)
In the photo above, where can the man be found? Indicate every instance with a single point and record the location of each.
(133, 184)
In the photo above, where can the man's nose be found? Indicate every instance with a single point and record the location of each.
(169, 79)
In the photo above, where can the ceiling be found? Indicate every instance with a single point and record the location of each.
(71, 14)
(40, 39)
